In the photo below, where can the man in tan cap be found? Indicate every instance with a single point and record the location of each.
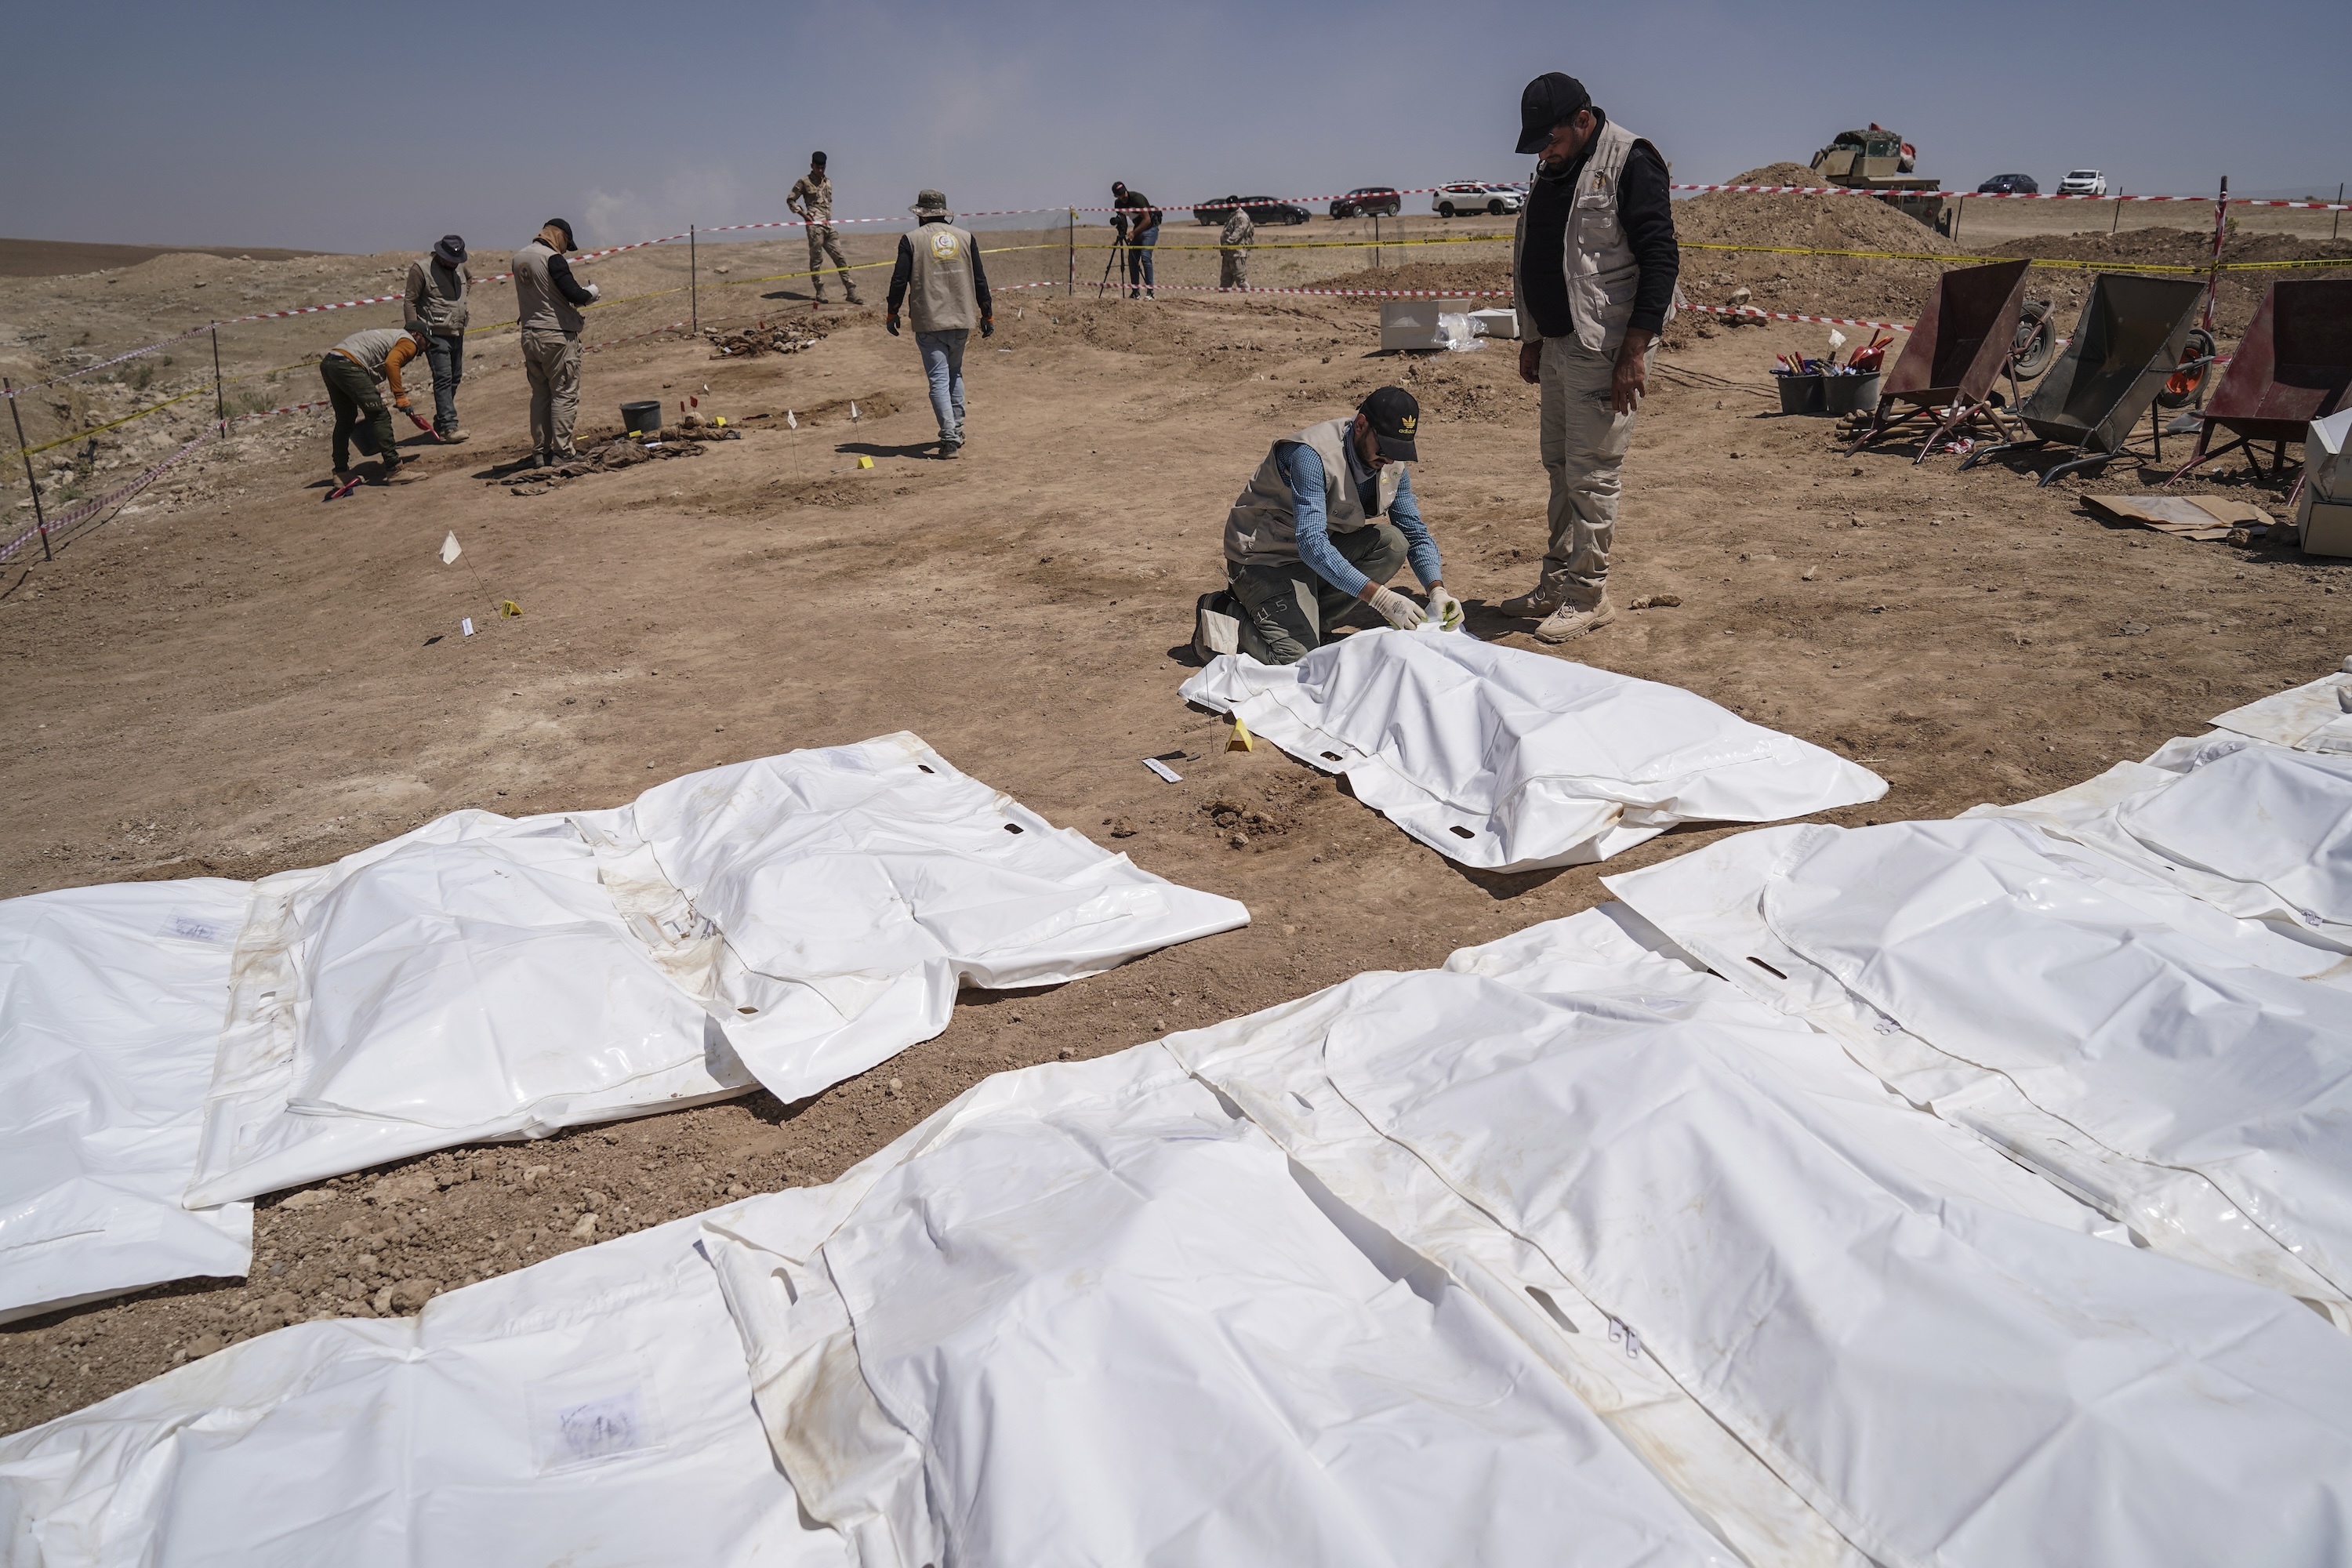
(940, 279)
(812, 200)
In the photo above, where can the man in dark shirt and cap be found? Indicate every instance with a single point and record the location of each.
(1594, 263)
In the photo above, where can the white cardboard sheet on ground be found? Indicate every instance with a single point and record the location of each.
(792, 921)
(1923, 1340)
(111, 1004)
(1506, 760)
(1089, 1314)
(591, 1411)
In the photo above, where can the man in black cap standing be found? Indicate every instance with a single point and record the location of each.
(1594, 263)
(1137, 223)
(547, 307)
(433, 307)
(1322, 526)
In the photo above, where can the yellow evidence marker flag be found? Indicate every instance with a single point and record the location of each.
(1239, 741)
(508, 609)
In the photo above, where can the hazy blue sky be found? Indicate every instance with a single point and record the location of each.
(382, 127)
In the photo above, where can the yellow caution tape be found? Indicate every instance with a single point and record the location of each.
(1240, 739)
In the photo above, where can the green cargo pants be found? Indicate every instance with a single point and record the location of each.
(1287, 611)
(359, 411)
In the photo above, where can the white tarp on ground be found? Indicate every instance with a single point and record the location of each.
(1089, 1314)
(590, 1411)
(110, 1005)
(791, 920)
(1506, 760)
(2260, 832)
(2141, 1049)
(796, 919)
(1915, 1334)
(2310, 718)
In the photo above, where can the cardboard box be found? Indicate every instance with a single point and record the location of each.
(1412, 323)
(2326, 467)
(2324, 526)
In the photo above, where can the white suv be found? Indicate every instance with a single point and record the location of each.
(2083, 183)
(1476, 197)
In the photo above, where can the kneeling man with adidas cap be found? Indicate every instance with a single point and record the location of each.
(1322, 526)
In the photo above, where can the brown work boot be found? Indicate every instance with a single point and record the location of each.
(1578, 614)
(1532, 606)
(454, 434)
(853, 298)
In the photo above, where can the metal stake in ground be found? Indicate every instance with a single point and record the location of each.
(1070, 286)
(220, 403)
(2221, 232)
(40, 522)
(693, 283)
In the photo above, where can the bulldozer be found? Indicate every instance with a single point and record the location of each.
(1879, 160)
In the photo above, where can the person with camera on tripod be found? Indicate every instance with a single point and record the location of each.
(1137, 223)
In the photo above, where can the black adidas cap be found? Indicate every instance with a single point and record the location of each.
(1552, 98)
(1394, 414)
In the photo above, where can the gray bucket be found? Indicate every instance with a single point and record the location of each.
(641, 418)
(1799, 393)
(1850, 394)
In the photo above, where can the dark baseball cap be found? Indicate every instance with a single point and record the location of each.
(1394, 416)
(1551, 99)
(558, 223)
(816, 160)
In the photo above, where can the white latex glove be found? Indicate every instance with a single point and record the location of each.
(1444, 609)
(593, 292)
(1399, 611)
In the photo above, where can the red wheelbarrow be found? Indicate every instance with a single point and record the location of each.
(1958, 347)
(2294, 367)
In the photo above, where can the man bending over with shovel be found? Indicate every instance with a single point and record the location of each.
(1322, 526)
(353, 371)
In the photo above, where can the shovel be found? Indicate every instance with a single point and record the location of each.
(346, 488)
(421, 423)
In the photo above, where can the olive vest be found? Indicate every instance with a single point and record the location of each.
(1602, 274)
(371, 347)
(1261, 529)
(540, 305)
(939, 296)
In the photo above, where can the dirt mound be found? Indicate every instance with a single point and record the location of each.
(1781, 174)
(1816, 223)
(2240, 294)
(57, 258)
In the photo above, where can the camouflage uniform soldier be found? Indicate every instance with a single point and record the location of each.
(1232, 271)
(811, 199)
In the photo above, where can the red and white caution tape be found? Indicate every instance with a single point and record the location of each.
(2002, 195)
(91, 508)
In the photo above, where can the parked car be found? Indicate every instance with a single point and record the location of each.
(1366, 200)
(1462, 196)
(1261, 209)
(2083, 183)
(2011, 185)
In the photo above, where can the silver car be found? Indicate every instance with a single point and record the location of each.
(1463, 197)
(2083, 183)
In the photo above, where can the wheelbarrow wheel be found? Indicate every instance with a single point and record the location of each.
(2180, 388)
(2037, 341)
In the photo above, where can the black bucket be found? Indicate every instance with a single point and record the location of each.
(1799, 393)
(1850, 394)
(642, 418)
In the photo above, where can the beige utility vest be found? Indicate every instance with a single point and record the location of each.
(1602, 274)
(371, 347)
(940, 297)
(1263, 528)
(540, 305)
(434, 301)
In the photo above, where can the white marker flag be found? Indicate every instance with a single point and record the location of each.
(451, 549)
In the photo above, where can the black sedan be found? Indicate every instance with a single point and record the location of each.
(1365, 201)
(1261, 209)
(2009, 186)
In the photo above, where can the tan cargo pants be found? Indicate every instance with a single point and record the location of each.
(1583, 444)
(551, 360)
(1234, 273)
(823, 244)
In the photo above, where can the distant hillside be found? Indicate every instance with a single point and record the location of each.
(52, 257)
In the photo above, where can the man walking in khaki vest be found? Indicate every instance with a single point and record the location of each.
(1594, 263)
(546, 307)
(940, 279)
(812, 200)
(1322, 526)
